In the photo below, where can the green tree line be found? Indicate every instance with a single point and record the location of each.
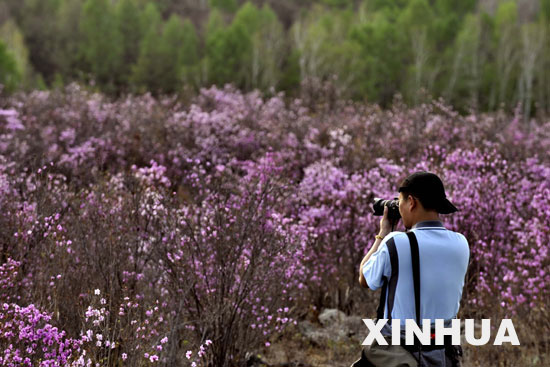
(474, 54)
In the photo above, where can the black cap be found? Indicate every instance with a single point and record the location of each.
(429, 188)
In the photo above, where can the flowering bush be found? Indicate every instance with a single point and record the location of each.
(208, 228)
(26, 334)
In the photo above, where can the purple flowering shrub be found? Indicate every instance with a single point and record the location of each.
(152, 231)
(231, 259)
(27, 338)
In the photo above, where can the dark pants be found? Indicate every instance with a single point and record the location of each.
(376, 355)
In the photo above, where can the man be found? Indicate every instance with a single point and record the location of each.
(443, 262)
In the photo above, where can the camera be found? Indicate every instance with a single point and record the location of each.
(393, 208)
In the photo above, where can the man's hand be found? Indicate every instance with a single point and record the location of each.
(385, 224)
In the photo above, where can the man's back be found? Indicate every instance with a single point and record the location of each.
(443, 257)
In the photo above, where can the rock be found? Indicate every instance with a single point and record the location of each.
(355, 328)
(331, 316)
(336, 326)
(312, 332)
(306, 327)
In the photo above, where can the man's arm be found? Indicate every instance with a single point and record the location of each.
(373, 249)
(385, 228)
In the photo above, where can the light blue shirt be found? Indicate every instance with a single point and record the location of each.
(444, 256)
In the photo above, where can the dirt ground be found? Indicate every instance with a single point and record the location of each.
(293, 349)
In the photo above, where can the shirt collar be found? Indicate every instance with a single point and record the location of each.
(428, 223)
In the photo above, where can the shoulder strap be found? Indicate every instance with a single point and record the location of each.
(380, 309)
(416, 273)
(389, 286)
(416, 279)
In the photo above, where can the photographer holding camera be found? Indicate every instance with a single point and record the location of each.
(421, 272)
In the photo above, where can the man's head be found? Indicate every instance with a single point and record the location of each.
(422, 197)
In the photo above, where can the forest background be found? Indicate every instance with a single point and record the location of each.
(483, 54)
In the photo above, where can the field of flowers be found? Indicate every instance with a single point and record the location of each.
(142, 231)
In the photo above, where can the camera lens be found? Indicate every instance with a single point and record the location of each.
(393, 208)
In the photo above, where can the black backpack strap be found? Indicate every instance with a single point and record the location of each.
(416, 273)
(381, 303)
(390, 285)
(415, 260)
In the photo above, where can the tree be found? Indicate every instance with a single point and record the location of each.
(388, 7)
(290, 73)
(381, 44)
(171, 55)
(68, 42)
(532, 41)
(15, 45)
(226, 47)
(545, 10)
(10, 74)
(463, 83)
(225, 5)
(34, 17)
(416, 21)
(168, 58)
(146, 72)
(269, 47)
(102, 41)
(507, 55)
(131, 27)
(339, 3)
(261, 61)
(190, 58)
(448, 18)
(326, 50)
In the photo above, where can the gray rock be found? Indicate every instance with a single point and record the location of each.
(331, 316)
(335, 326)
(314, 333)
(355, 328)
